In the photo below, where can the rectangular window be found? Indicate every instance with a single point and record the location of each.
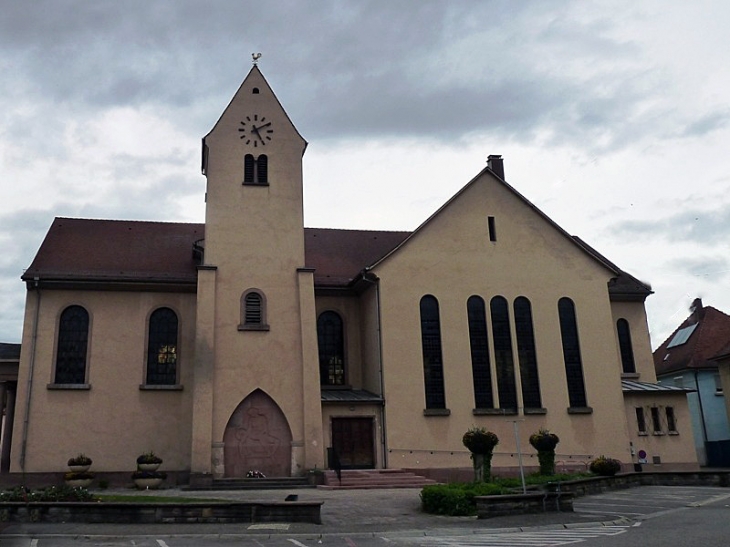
(671, 420)
(656, 421)
(640, 420)
(492, 229)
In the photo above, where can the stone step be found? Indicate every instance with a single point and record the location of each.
(374, 478)
(274, 483)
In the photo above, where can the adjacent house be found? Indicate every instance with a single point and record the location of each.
(688, 358)
(250, 342)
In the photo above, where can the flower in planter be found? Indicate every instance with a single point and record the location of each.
(149, 457)
(253, 474)
(604, 466)
(81, 459)
(545, 442)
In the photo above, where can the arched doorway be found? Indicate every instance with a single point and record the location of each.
(257, 438)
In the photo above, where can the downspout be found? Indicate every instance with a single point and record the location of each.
(702, 415)
(383, 427)
(31, 366)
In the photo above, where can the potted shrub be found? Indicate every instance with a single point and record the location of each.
(148, 461)
(604, 466)
(545, 442)
(79, 464)
(481, 443)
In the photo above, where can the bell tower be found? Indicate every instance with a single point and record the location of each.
(255, 325)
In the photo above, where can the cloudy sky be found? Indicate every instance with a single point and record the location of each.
(612, 116)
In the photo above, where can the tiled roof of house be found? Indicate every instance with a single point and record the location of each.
(116, 250)
(86, 250)
(139, 251)
(338, 256)
(705, 341)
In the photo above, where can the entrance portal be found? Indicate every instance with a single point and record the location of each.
(257, 438)
(352, 439)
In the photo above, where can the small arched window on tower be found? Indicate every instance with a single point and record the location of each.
(253, 311)
(256, 170)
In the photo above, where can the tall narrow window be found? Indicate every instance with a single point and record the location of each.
(73, 338)
(255, 170)
(248, 169)
(640, 420)
(671, 420)
(624, 343)
(478, 341)
(527, 354)
(504, 360)
(492, 229)
(571, 354)
(331, 340)
(433, 369)
(162, 348)
(253, 311)
(656, 420)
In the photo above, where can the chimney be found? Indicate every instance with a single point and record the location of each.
(496, 164)
(697, 309)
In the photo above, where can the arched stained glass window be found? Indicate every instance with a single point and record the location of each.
(504, 360)
(527, 354)
(628, 365)
(479, 344)
(433, 369)
(571, 353)
(331, 340)
(73, 341)
(162, 348)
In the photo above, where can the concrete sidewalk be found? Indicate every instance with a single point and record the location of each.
(388, 512)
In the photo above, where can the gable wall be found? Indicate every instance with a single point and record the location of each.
(452, 258)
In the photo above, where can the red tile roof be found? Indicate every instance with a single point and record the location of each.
(706, 341)
(138, 251)
(83, 249)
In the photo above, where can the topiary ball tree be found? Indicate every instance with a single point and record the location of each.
(481, 443)
(545, 442)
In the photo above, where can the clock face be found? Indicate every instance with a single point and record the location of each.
(256, 130)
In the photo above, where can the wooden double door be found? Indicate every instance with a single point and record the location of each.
(354, 441)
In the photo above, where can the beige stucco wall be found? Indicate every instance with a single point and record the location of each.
(452, 258)
(113, 421)
(672, 448)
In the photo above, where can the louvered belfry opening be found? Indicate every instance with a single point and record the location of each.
(253, 314)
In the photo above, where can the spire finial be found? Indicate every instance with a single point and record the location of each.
(256, 57)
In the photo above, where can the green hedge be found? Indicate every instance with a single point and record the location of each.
(456, 499)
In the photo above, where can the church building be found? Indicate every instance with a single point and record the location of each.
(250, 342)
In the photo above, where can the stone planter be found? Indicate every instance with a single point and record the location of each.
(148, 484)
(79, 468)
(148, 466)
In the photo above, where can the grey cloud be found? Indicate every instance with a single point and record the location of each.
(701, 226)
(712, 268)
(712, 121)
(344, 69)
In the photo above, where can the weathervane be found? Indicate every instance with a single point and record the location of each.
(256, 57)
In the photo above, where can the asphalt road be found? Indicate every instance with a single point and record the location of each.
(639, 517)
